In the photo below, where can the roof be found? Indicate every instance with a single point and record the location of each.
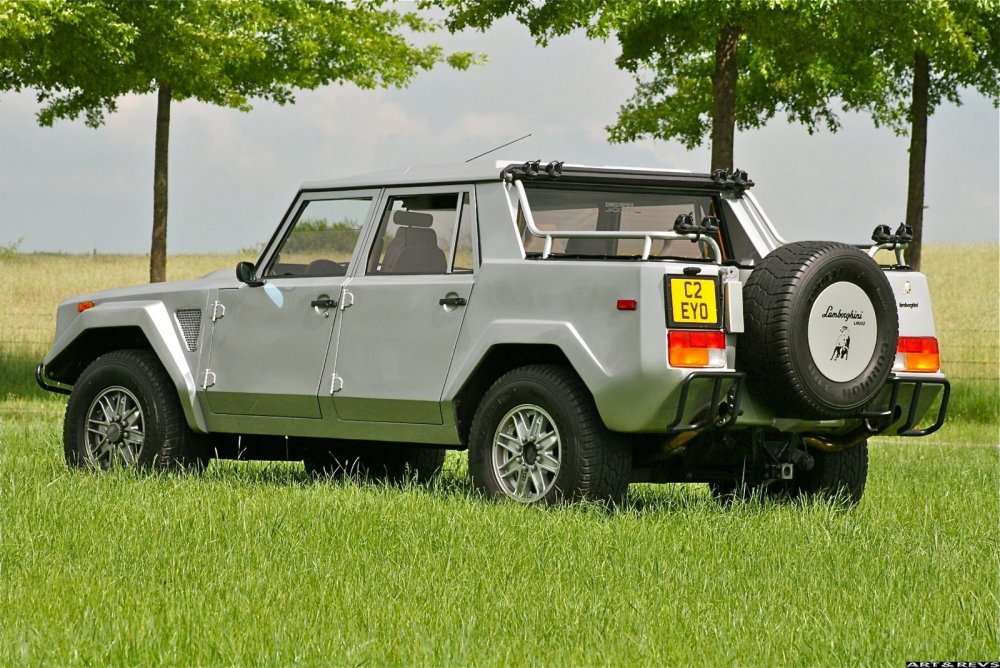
(466, 172)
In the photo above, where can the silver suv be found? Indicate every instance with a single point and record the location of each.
(575, 328)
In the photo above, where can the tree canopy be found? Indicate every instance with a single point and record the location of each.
(80, 56)
(702, 68)
(918, 55)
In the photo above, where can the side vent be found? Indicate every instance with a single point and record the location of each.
(189, 321)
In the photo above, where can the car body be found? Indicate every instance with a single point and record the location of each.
(386, 308)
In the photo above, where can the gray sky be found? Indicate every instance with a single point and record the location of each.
(232, 175)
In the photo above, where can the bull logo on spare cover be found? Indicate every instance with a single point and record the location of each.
(842, 331)
(843, 347)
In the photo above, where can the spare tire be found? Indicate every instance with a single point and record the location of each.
(820, 330)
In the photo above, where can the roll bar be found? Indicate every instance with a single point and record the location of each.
(647, 237)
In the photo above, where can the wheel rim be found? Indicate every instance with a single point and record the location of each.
(115, 429)
(527, 453)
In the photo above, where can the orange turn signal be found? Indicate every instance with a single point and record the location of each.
(687, 348)
(83, 306)
(917, 353)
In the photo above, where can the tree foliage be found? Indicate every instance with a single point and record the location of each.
(82, 55)
(918, 55)
(960, 39)
(706, 67)
(694, 61)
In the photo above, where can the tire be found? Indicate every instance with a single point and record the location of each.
(388, 463)
(124, 412)
(836, 475)
(537, 437)
(820, 330)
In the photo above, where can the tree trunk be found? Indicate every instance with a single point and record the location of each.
(724, 98)
(918, 156)
(158, 249)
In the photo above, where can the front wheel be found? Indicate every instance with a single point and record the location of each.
(537, 437)
(838, 476)
(124, 413)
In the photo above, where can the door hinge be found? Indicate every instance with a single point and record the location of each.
(347, 301)
(336, 384)
(218, 311)
(209, 379)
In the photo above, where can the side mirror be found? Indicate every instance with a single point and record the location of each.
(247, 273)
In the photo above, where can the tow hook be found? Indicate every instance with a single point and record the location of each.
(782, 471)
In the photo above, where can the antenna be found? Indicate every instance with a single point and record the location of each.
(498, 147)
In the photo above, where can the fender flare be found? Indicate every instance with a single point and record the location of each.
(157, 326)
(559, 333)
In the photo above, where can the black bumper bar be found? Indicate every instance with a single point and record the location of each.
(891, 410)
(726, 385)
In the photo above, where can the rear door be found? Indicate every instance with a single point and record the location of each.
(269, 342)
(405, 308)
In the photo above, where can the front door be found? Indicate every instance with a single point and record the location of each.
(270, 342)
(407, 304)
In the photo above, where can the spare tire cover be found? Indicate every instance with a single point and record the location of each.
(821, 330)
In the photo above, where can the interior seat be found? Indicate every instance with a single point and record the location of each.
(414, 249)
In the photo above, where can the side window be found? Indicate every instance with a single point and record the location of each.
(464, 257)
(416, 235)
(322, 239)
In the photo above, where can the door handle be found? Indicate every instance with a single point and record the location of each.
(323, 303)
(452, 301)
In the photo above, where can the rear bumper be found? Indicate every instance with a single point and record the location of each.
(903, 404)
(708, 399)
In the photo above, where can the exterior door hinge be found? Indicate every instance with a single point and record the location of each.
(209, 379)
(218, 311)
(336, 384)
(347, 301)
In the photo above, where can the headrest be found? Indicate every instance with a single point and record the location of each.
(412, 219)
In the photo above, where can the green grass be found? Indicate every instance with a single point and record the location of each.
(254, 564)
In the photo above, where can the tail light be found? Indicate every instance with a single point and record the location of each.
(83, 306)
(696, 348)
(917, 353)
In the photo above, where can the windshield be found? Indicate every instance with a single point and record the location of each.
(609, 211)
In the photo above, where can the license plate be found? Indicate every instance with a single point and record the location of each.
(692, 301)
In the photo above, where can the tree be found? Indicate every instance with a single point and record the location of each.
(81, 56)
(702, 67)
(921, 54)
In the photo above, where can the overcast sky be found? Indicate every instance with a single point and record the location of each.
(232, 175)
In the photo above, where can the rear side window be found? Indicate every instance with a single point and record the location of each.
(610, 211)
(416, 235)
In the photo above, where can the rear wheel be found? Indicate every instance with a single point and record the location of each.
(537, 437)
(124, 412)
(841, 475)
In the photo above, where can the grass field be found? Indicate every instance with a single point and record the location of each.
(254, 564)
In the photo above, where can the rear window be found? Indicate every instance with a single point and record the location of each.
(609, 211)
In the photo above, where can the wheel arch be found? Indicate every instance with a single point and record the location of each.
(499, 359)
(123, 325)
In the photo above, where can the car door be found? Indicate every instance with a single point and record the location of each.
(270, 341)
(405, 308)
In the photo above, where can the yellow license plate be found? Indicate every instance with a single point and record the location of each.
(692, 301)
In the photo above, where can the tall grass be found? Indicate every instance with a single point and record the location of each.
(254, 564)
